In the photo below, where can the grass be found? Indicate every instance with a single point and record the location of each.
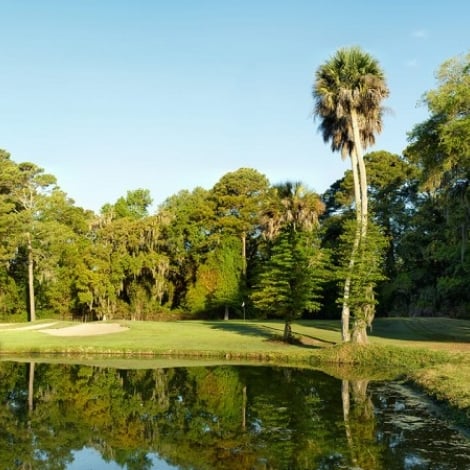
(433, 353)
(238, 338)
(449, 384)
(185, 338)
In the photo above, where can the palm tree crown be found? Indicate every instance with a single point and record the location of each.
(351, 82)
(291, 206)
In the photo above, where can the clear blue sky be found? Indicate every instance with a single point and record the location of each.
(115, 95)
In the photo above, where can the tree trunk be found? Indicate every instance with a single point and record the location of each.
(359, 334)
(287, 332)
(226, 312)
(32, 306)
(345, 312)
(244, 254)
(362, 173)
(361, 321)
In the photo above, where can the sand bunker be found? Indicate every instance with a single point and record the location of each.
(86, 329)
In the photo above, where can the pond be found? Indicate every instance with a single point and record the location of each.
(62, 416)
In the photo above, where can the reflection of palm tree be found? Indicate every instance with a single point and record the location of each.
(348, 92)
(345, 398)
(31, 386)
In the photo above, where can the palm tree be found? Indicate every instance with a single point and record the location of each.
(348, 91)
(293, 206)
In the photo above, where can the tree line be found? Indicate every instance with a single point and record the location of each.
(394, 242)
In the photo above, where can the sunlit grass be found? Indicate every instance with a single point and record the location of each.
(197, 338)
(234, 336)
(450, 382)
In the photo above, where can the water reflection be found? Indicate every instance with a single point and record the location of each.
(226, 417)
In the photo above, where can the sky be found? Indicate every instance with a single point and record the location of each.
(116, 95)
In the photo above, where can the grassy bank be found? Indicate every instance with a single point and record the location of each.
(449, 384)
(432, 353)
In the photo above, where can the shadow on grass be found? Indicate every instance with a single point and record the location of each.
(419, 329)
(330, 325)
(441, 329)
(266, 332)
(245, 329)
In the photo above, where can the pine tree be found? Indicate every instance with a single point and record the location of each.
(289, 282)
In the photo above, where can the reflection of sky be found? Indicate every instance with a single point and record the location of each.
(90, 459)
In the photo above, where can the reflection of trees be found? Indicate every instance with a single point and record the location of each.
(211, 417)
(359, 424)
(200, 418)
(20, 428)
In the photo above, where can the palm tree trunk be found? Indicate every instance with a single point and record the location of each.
(360, 322)
(362, 173)
(345, 311)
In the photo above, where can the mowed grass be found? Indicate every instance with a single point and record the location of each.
(434, 333)
(233, 338)
(193, 338)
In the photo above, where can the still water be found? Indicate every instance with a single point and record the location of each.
(80, 417)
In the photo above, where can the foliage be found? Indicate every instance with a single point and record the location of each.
(290, 283)
(367, 272)
(134, 206)
(436, 242)
(217, 286)
(289, 279)
(351, 80)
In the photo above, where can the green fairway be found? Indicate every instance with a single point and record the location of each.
(230, 337)
(197, 338)
(414, 332)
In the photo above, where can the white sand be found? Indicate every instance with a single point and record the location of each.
(86, 329)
